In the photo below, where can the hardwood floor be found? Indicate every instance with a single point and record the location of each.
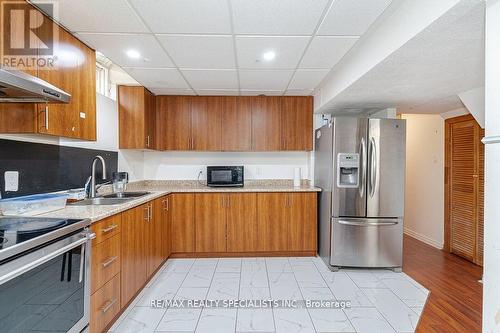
(455, 302)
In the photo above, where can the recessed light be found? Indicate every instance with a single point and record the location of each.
(269, 55)
(134, 54)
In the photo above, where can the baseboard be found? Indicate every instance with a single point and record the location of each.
(423, 238)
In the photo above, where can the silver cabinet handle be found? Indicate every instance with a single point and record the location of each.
(46, 117)
(110, 228)
(367, 224)
(147, 141)
(109, 261)
(362, 152)
(147, 213)
(228, 201)
(108, 305)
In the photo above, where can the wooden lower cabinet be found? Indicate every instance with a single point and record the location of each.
(105, 262)
(210, 217)
(134, 252)
(105, 305)
(154, 236)
(242, 229)
(302, 226)
(182, 222)
(166, 231)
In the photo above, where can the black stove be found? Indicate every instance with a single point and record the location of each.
(19, 234)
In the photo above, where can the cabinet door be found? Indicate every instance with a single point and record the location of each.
(87, 118)
(242, 229)
(303, 223)
(210, 219)
(174, 117)
(182, 219)
(131, 115)
(272, 221)
(155, 236)
(296, 122)
(63, 119)
(166, 226)
(266, 123)
(206, 123)
(134, 252)
(150, 121)
(237, 123)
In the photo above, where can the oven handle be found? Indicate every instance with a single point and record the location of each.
(21, 270)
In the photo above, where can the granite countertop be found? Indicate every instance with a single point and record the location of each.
(161, 188)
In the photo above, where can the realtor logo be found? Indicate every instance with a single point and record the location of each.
(28, 36)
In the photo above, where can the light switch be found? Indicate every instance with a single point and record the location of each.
(11, 181)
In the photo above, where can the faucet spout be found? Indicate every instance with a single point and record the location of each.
(93, 191)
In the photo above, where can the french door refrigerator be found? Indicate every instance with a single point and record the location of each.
(360, 167)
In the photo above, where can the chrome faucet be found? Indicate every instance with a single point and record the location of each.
(93, 189)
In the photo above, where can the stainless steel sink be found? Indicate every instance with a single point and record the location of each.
(126, 195)
(101, 201)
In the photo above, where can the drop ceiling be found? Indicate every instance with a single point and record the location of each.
(214, 47)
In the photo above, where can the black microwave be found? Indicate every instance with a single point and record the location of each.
(225, 176)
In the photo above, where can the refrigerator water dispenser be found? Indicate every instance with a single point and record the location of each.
(348, 170)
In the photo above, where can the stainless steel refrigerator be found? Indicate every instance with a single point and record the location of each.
(360, 167)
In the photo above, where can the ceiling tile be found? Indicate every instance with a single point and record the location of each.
(158, 77)
(261, 92)
(212, 79)
(186, 16)
(114, 46)
(288, 51)
(352, 17)
(307, 79)
(167, 91)
(94, 16)
(280, 17)
(212, 51)
(326, 51)
(211, 92)
(305, 92)
(264, 79)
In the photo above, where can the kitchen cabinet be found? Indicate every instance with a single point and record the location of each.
(296, 123)
(174, 122)
(134, 251)
(210, 217)
(105, 305)
(237, 123)
(182, 222)
(154, 237)
(266, 123)
(74, 72)
(206, 122)
(287, 222)
(136, 109)
(166, 225)
(105, 261)
(242, 228)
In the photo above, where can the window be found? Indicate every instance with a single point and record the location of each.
(102, 80)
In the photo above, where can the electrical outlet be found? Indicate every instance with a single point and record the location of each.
(11, 181)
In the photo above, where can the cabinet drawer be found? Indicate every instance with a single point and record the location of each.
(106, 228)
(105, 305)
(105, 261)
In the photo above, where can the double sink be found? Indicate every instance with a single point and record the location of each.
(110, 199)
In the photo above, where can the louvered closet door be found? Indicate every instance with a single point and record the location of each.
(480, 201)
(462, 193)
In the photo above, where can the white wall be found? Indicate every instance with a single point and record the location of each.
(424, 197)
(491, 278)
(258, 165)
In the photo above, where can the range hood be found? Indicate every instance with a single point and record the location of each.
(19, 87)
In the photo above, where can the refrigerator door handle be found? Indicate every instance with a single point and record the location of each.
(367, 223)
(362, 154)
(373, 166)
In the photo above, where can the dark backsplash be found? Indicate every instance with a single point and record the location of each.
(47, 168)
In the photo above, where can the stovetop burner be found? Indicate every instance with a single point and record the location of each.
(30, 225)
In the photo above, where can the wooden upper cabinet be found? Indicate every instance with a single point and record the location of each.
(296, 123)
(237, 123)
(136, 108)
(206, 123)
(174, 122)
(73, 71)
(266, 123)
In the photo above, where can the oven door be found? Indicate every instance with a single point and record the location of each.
(47, 289)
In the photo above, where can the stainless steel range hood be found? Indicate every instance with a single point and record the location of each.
(19, 87)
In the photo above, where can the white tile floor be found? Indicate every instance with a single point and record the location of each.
(382, 301)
